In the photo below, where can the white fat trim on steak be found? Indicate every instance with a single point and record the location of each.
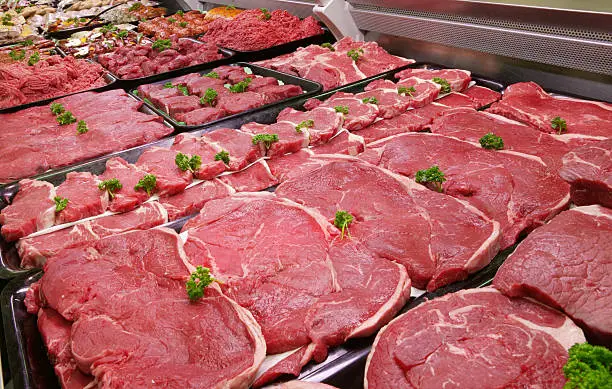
(593, 210)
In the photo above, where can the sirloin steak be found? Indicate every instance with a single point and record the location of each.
(84, 197)
(475, 334)
(567, 264)
(32, 209)
(438, 238)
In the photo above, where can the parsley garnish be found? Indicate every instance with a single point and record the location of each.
(27, 42)
(305, 124)
(223, 156)
(57, 108)
(183, 89)
(241, 86)
(34, 58)
(446, 88)
(329, 46)
(588, 367)
(147, 183)
(198, 280)
(179, 13)
(491, 141)
(209, 97)
(559, 124)
(266, 14)
(183, 24)
(406, 91)
(135, 7)
(168, 85)
(266, 139)
(342, 109)
(185, 163)
(111, 186)
(171, 20)
(82, 127)
(211, 75)
(65, 117)
(354, 54)
(342, 221)
(433, 176)
(370, 100)
(17, 55)
(60, 203)
(161, 44)
(122, 34)
(108, 28)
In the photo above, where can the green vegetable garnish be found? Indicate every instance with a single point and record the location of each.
(179, 13)
(34, 58)
(108, 28)
(329, 46)
(57, 108)
(171, 20)
(433, 176)
(198, 280)
(588, 367)
(135, 7)
(60, 203)
(266, 139)
(185, 163)
(65, 117)
(559, 124)
(147, 183)
(82, 127)
(211, 75)
(446, 88)
(406, 91)
(168, 85)
(123, 34)
(266, 14)
(370, 100)
(491, 141)
(19, 9)
(342, 221)
(241, 86)
(223, 156)
(135, 92)
(111, 186)
(183, 89)
(209, 97)
(183, 24)
(27, 42)
(305, 124)
(161, 44)
(342, 109)
(355, 54)
(17, 55)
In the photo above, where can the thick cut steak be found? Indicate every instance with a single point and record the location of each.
(438, 238)
(34, 251)
(289, 140)
(567, 264)
(406, 122)
(474, 334)
(482, 96)
(127, 198)
(588, 169)
(160, 162)
(458, 79)
(238, 144)
(286, 264)
(515, 189)
(32, 209)
(252, 179)
(420, 93)
(357, 115)
(132, 323)
(344, 142)
(193, 145)
(84, 197)
(326, 122)
(470, 125)
(193, 199)
(527, 102)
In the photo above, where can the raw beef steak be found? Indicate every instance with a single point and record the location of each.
(193, 145)
(406, 122)
(238, 144)
(288, 266)
(482, 96)
(160, 162)
(326, 122)
(357, 115)
(516, 190)
(289, 140)
(527, 102)
(193, 199)
(421, 92)
(344, 142)
(438, 238)
(567, 264)
(84, 197)
(32, 209)
(132, 322)
(252, 179)
(474, 334)
(588, 169)
(127, 198)
(34, 251)
(458, 79)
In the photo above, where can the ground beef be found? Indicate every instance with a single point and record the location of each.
(251, 31)
(56, 76)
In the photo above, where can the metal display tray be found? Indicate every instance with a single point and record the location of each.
(310, 88)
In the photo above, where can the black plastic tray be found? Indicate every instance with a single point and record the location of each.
(228, 57)
(310, 88)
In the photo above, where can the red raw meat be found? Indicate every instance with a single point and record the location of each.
(193, 199)
(326, 122)
(482, 96)
(253, 179)
(160, 162)
(431, 111)
(199, 86)
(84, 197)
(516, 190)
(406, 122)
(234, 103)
(127, 198)
(344, 142)
(237, 143)
(458, 79)
(575, 250)
(374, 59)
(458, 100)
(301, 385)
(193, 145)
(360, 114)
(473, 334)
(282, 167)
(274, 93)
(527, 102)
(438, 238)
(32, 209)
(289, 139)
(200, 116)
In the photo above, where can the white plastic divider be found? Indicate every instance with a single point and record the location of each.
(336, 14)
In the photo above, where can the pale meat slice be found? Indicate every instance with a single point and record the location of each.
(193, 199)
(450, 341)
(84, 197)
(326, 122)
(566, 264)
(293, 272)
(517, 190)
(161, 162)
(191, 145)
(35, 251)
(527, 102)
(31, 209)
(357, 114)
(458, 79)
(252, 179)
(128, 197)
(436, 237)
(588, 169)
(132, 322)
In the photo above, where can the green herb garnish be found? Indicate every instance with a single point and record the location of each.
(355, 54)
(134, 7)
(433, 176)
(123, 34)
(147, 183)
(111, 186)
(179, 13)
(209, 97)
(168, 85)
(185, 163)
(406, 91)
(108, 28)
(65, 117)
(266, 14)
(171, 20)
(491, 141)
(266, 139)
(17, 55)
(60, 203)
(211, 75)
(241, 86)
(559, 124)
(57, 108)
(183, 89)
(588, 367)
(370, 100)
(198, 280)
(34, 58)
(27, 42)
(183, 24)
(305, 124)
(329, 46)
(161, 44)
(342, 109)
(342, 221)
(82, 127)
(223, 156)
(446, 88)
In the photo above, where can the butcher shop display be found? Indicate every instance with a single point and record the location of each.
(176, 216)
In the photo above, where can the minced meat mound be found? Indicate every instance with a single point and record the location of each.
(251, 30)
(21, 83)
